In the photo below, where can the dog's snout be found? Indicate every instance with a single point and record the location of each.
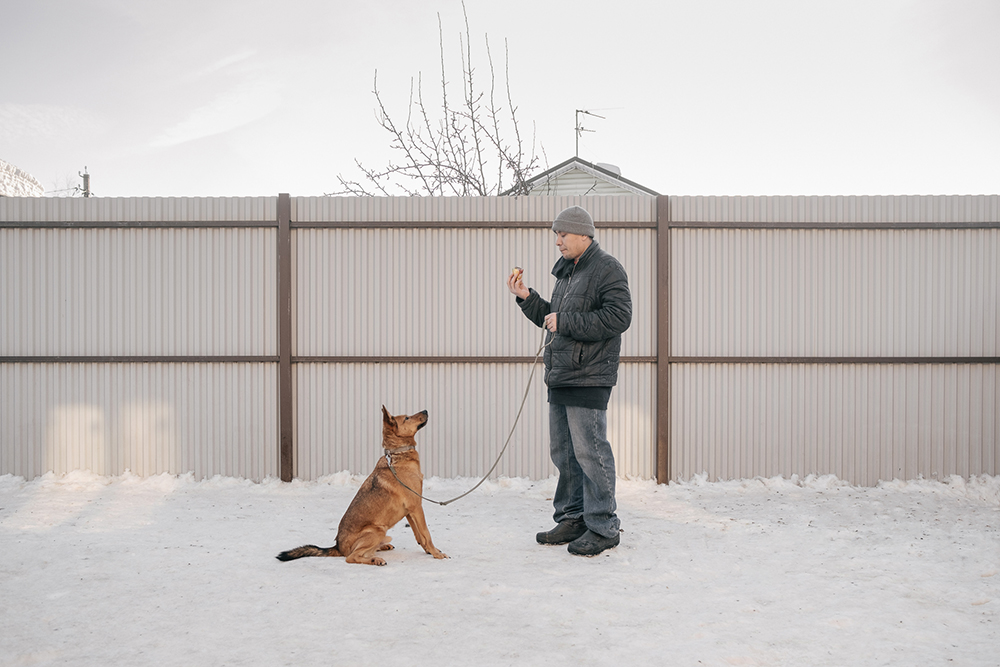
(423, 412)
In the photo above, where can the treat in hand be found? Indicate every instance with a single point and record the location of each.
(517, 271)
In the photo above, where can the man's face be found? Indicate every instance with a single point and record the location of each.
(572, 245)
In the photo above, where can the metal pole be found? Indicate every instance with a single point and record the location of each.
(663, 384)
(286, 441)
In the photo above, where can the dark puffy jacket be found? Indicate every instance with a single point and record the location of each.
(594, 306)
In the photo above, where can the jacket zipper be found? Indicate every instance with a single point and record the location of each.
(569, 283)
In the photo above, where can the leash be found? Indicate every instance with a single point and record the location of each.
(534, 365)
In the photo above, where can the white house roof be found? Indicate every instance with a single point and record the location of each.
(579, 177)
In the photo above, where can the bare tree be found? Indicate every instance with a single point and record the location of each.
(472, 149)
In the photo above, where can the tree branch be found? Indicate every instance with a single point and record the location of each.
(474, 149)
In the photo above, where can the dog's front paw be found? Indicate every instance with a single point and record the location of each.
(441, 554)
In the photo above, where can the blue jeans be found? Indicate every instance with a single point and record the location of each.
(581, 452)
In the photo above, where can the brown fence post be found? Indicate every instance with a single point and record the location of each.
(286, 441)
(663, 472)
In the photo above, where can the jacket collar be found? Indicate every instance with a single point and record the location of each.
(563, 267)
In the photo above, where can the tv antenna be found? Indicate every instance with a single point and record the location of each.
(580, 129)
(86, 183)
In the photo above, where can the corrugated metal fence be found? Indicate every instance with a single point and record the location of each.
(138, 334)
(259, 336)
(404, 302)
(854, 336)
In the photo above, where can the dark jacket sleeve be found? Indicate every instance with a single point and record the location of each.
(535, 308)
(613, 313)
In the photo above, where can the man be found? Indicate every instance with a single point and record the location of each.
(590, 308)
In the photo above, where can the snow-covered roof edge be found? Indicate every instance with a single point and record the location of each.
(15, 182)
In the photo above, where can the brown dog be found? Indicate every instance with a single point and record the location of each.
(382, 500)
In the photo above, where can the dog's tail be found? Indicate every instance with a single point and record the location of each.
(308, 550)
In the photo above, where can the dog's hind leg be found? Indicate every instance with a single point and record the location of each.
(385, 546)
(367, 543)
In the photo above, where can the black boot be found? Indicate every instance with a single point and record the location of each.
(591, 544)
(567, 531)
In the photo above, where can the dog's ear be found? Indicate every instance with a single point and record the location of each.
(386, 417)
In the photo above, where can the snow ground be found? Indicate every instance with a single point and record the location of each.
(99, 571)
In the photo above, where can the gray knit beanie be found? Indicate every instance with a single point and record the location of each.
(574, 220)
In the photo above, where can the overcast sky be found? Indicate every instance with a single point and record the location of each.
(245, 97)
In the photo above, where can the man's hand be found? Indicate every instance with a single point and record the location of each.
(550, 322)
(516, 285)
